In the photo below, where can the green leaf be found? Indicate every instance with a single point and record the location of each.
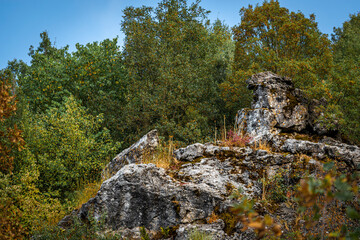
(352, 213)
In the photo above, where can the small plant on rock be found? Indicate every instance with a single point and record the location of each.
(263, 226)
(163, 155)
(236, 140)
(199, 235)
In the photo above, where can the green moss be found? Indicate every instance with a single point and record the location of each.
(230, 221)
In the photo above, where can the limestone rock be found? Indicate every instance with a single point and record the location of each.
(258, 123)
(279, 107)
(134, 153)
(281, 98)
(349, 154)
(190, 152)
(144, 195)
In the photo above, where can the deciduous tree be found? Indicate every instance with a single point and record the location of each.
(170, 53)
(10, 135)
(271, 38)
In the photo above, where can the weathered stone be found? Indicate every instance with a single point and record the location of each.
(134, 153)
(143, 195)
(214, 230)
(258, 123)
(283, 101)
(190, 152)
(279, 107)
(349, 154)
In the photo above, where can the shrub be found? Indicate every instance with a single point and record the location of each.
(69, 145)
(23, 208)
(236, 140)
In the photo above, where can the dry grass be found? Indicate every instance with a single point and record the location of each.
(88, 191)
(263, 145)
(163, 155)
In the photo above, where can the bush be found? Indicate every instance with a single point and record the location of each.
(69, 146)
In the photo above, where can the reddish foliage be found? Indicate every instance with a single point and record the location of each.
(10, 136)
(236, 140)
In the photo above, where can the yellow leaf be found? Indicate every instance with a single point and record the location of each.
(256, 225)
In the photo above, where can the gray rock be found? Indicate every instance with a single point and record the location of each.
(214, 230)
(279, 107)
(258, 123)
(144, 195)
(190, 152)
(134, 153)
(349, 154)
(279, 96)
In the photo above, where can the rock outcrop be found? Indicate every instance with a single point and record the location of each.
(194, 193)
(280, 112)
(146, 145)
(278, 107)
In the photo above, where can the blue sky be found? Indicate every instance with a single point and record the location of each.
(81, 21)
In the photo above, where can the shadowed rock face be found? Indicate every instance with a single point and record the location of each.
(184, 197)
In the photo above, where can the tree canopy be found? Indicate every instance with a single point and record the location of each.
(271, 38)
(170, 54)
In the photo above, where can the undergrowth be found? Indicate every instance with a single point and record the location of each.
(162, 157)
(196, 234)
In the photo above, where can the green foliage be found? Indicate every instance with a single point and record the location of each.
(277, 187)
(173, 58)
(316, 196)
(265, 227)
(78, 230)
(271, 38)
(93, 74)
(346, 76)
(143, 234)
(24, 209)
(165, 232)
(199, 235)
(346, 40)
(69, 146)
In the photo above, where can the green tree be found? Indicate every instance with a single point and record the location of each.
(271, 38)
(346, 76)
(100, 82)
(69, 146)
(346, 40)
(170, 56)
(94, 74)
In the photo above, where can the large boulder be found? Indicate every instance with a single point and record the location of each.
(279, 107)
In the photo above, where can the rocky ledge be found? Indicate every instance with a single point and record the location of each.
(195, 192)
